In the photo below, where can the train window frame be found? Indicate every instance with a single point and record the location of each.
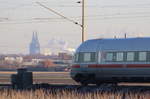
(87, 57)
(140, 60)
(148, 56)
(93, 57)
(76, 57)
(133, 57)
(81, 57)
(107, 57)
(113, 57)
(125, 56)
(117, 57)
(102, 56)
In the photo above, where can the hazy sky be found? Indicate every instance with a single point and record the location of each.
(104, 19)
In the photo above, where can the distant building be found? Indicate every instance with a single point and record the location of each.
(64, 56)
(34, 45)
(12, 59)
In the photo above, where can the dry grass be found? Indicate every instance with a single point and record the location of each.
(42, 94)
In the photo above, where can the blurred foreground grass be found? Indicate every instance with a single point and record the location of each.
(42, 94)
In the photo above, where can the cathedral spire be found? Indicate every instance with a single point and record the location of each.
(34, 45)
(36, 37)
(33, 37)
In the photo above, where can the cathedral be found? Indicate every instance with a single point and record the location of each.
(34, 45)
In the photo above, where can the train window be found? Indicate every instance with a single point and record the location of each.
(130, 56)
(87, 57)
(119, 56)
(76, 57)
(142, 56)
(93, 57)
(148, 56)
(80, 57)
(109, 56)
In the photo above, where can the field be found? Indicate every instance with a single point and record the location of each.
(58, 89)
(66, 94)
(41, 77)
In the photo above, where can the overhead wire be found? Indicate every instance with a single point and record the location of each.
(89, 17)
(59, 14)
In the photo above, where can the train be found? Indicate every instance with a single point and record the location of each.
(112, 61)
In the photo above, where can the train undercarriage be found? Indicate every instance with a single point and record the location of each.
(85, 79)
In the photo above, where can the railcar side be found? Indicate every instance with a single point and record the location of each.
(104, 63)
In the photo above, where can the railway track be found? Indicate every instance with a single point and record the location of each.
(60, 82)
(55, 78)
(42, 77)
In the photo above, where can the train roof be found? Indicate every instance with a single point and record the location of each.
(116, 44)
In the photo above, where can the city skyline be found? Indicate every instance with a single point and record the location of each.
(104, 19)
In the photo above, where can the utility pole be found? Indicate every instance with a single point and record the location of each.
(83, 21)
(83, 17)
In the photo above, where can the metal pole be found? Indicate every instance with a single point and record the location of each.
(83, 17)
(83, 21)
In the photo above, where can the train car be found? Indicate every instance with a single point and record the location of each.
(100, 61)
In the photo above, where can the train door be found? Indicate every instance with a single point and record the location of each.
(85, 61)
(99, 61)
(111, 67)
